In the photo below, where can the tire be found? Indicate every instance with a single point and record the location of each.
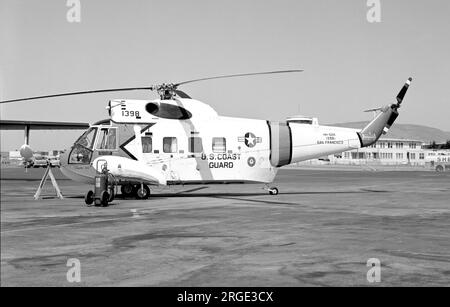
(439, 168)
(89, 198)
(127, 190)
(104, 198)
(273, 191)
(142, 193)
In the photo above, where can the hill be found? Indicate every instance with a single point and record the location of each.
(407, 131)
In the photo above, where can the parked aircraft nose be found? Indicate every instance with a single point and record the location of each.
(26, 152)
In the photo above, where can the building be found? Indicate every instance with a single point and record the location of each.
(387, 151)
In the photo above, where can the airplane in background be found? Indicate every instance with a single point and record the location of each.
(177, 140)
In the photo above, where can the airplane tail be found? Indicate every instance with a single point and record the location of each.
(383, 121)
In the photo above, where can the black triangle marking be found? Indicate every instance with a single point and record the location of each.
(122, 146)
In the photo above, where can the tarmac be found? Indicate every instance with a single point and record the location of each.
(320, 230)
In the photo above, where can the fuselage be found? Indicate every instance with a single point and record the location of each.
(186, 141)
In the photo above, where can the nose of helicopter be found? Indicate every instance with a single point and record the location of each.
(77, 172)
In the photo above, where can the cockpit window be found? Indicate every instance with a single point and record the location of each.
(107, 139)
(88, 138)
(80, 155)
(82, 150)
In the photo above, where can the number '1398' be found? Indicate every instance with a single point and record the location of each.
(130, 113)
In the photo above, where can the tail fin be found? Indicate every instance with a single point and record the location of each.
(383, 121)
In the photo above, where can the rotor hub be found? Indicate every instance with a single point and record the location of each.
(166, 91)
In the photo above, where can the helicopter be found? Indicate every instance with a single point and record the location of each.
(178, 140)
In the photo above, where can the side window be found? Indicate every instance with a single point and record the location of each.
(195, 144)
(107, 139)
(112, 138)
(219, 145)
(170, 145)
(147, 144)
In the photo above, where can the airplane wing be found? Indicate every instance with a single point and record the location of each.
(41, 125)
(26, 151)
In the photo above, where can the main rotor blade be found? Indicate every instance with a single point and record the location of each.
(241, 75)
(80, 93)
(151, 88)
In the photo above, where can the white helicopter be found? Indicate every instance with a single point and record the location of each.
(179, 140)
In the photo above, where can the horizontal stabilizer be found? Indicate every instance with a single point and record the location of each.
(373, 110)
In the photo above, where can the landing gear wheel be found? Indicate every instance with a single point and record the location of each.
(104, 198)
(273, 191)
(127, 190)
(89, 198)
(142, 191)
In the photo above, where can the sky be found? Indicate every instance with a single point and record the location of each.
(350, 64)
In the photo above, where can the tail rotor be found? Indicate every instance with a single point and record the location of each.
(403, 91)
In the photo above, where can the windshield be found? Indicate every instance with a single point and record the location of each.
(88, 138)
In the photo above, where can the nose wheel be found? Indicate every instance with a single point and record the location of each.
(142, 192)
(273, 191)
